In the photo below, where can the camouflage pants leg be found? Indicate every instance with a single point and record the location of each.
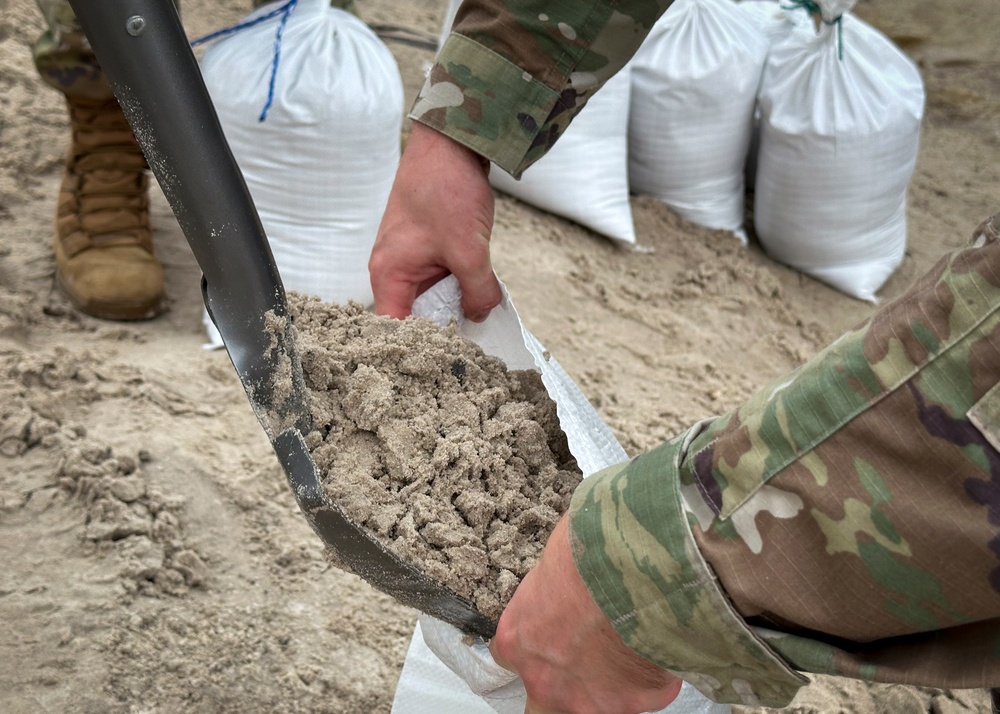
(63, 56)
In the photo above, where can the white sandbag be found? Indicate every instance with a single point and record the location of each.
(831, 10)
(427, 686)
(694, 85)
(838, 145)
(584, 177)
(320, 165)
(771, 17)
(444, 673)
(773, 20)
(448, 21)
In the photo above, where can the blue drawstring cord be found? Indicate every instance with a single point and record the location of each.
(284, 11)
(813, 9)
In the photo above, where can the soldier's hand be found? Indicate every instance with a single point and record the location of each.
(437, 221)
(567, 653)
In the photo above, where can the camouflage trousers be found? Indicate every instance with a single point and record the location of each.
(63, 56)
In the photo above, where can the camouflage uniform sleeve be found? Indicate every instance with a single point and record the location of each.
(514, 73)
(845, 520)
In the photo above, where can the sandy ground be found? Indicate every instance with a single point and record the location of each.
(153, 557)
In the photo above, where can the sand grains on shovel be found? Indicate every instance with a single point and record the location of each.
(455, 463)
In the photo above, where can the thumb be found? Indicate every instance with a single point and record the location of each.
(530, 707)
(498, 659)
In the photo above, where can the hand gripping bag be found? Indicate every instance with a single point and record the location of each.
(840, 114)
(445, 671)
(320, 163)
(584, 177)
(694, 85)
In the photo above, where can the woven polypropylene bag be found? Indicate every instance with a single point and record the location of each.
(694, 85)
(584, 177)
(840, 114)
(444, 672)
(320, 165)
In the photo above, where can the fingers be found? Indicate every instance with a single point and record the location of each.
(480, 293)
(438, 220)
(648, 702)
(393, 297)
(568, 654)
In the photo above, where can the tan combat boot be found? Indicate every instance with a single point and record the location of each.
(103, 242)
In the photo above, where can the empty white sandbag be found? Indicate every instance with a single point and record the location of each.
(694, 85)
(840, 109)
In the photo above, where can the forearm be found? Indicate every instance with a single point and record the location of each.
(850, 506)
(514, 73)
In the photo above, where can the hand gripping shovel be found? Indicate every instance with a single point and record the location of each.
(143, 50)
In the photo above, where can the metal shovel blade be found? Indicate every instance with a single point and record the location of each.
(143, 50)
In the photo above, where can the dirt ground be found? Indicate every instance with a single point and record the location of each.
(154, 559)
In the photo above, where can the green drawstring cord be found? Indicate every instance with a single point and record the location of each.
(814, 9)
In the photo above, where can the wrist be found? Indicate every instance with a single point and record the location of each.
(426, 140)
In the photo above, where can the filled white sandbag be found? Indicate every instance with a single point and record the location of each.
(831, 10)
(584, 177)
(774, 20)
(319, 166)
(771, 17)
(448, 21)
(694, 85)
(841, 109)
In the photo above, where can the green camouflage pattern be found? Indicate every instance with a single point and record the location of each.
(512, 75)
(633, 547)
(65, 61)
(845, 520)
(63, 56)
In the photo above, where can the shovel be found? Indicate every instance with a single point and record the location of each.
(144, 51)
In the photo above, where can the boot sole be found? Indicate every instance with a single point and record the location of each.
(121, 311)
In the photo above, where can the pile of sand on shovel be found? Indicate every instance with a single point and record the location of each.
(453, 462)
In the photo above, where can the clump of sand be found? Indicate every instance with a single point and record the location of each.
(455, 463)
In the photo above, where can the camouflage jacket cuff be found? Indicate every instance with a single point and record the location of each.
(634, 547)
(484, 102)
